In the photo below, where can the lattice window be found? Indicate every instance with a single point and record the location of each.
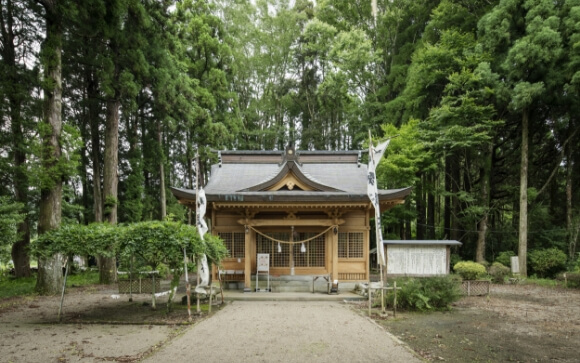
(314, 256)
(266, 245)
(315, 251)
(350, 245)
(235, 242)
(342, 245)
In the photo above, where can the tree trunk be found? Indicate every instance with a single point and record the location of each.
(107, 266)
(189, 176)
(162, 198)
(447, 206)
(92, 94)
(420, 203)
(408, 225)
(485, 192)
(20, 255)
(455, 207)
(431, 207)
(49, 278)
(134, 182)
(111, 161)
(523, 227)
(8, 38)
(572, 232)
(19, 252)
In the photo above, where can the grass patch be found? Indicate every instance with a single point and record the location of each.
(541, 282)
(24, 286)
(84, 278)
(11, 287)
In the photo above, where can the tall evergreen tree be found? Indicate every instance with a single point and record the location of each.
(18, 104)
(50, 128)
(524, 38)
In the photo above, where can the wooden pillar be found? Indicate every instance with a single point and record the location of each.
(334, 250)
(366, 250)
(248, 260)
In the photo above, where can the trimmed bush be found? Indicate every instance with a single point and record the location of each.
(498, 272)
(505, 258)
(426, 293)
(547, 262)
(469, 270)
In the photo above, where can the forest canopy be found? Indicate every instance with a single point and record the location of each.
(105, 104)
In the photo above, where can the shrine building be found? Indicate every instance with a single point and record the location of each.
(307, 210)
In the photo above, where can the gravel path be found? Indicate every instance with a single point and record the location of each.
(285, 331)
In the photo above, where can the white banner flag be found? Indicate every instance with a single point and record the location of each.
(201, 207)
(202, 266)
(375, 155)
(203, 273)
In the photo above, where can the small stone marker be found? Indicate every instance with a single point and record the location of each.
(515, 262)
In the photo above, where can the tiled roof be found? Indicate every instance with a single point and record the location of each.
(247, 176)
(230, 178)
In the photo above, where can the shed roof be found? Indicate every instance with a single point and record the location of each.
(422, 242)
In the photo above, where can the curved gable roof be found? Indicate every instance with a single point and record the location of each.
(290, 168)
(269, 176)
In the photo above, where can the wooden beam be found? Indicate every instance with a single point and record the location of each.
(290, 222)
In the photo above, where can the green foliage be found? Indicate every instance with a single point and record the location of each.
(52, 169)
(452, 78)
(110, 203)
(98, 239)
(10, 217)
(427, 293)
(163, 270)
(504, 258)
(153, 242)
(574, 265)
(454, 258)
(469, 270)
(498, 272)
(547, 262)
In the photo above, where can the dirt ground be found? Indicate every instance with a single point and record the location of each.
(519, 323)
(515, 323)
(97, 325)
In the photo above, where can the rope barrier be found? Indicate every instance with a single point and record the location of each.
(293, 242)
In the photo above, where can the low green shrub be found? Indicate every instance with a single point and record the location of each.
(469, 270)
(426, 293)
(547, 262)
(505, 258)
(572, 279)
(498, 272)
